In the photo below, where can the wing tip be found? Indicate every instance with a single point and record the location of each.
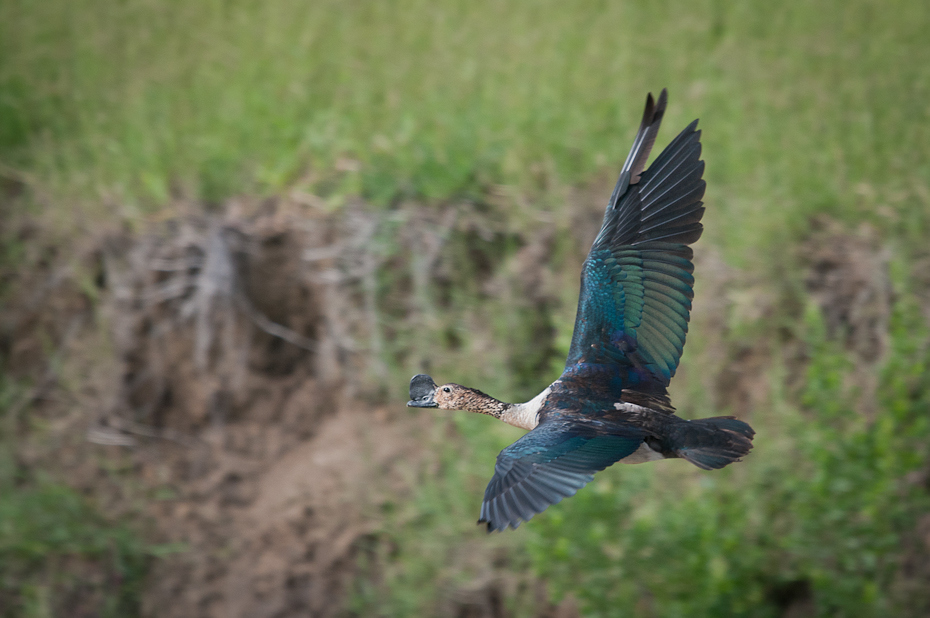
(497, 526)
(498, 515)
(660, 106)
(654, 108)
(635, 162)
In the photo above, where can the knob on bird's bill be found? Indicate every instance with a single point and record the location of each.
(422, 391)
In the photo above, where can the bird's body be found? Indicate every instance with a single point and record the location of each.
(611, 403)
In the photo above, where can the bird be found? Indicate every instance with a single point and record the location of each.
(611, 403)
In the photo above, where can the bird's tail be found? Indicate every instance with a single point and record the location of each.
(712, 443)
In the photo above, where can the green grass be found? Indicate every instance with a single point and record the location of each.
(59, 555)
(120, 111)
(807, 108)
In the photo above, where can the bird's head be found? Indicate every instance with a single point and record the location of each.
(424, 393)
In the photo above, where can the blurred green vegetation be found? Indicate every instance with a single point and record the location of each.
(115, 110)
(817, 516)
(817, 521)
(810, 106)
(58, 554)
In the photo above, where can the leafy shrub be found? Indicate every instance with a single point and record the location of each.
(58, 556)
(814, 517)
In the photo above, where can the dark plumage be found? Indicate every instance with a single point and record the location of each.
(611, 404)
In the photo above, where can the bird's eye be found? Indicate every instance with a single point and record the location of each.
(446, 389)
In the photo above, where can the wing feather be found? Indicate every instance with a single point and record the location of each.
(637, 282)
(549, 464)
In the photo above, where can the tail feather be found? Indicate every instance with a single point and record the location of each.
(712, 443)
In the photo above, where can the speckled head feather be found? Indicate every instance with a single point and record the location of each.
(458, 397)
(425, 394)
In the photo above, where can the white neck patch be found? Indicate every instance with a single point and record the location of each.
(526, 415)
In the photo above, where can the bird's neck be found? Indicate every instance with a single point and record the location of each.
(522, 415)
(526, 415)
(485, 404)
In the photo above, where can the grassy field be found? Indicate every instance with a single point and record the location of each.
(809, 108)
(116, 113)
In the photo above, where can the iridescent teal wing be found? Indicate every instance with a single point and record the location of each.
(637, 283)
(550, 463)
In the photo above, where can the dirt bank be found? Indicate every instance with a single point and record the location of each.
(220, 378)
(216, 378)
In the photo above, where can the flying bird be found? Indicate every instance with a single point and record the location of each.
(611, 402)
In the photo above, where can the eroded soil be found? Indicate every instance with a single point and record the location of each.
(208, 375)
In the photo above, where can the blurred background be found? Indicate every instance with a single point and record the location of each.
(231, 232)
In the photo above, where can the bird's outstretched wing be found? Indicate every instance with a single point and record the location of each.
(636, 283)
(550, 463)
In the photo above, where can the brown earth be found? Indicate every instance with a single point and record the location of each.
(213, 374)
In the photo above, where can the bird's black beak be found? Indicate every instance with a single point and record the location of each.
(422, 390)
